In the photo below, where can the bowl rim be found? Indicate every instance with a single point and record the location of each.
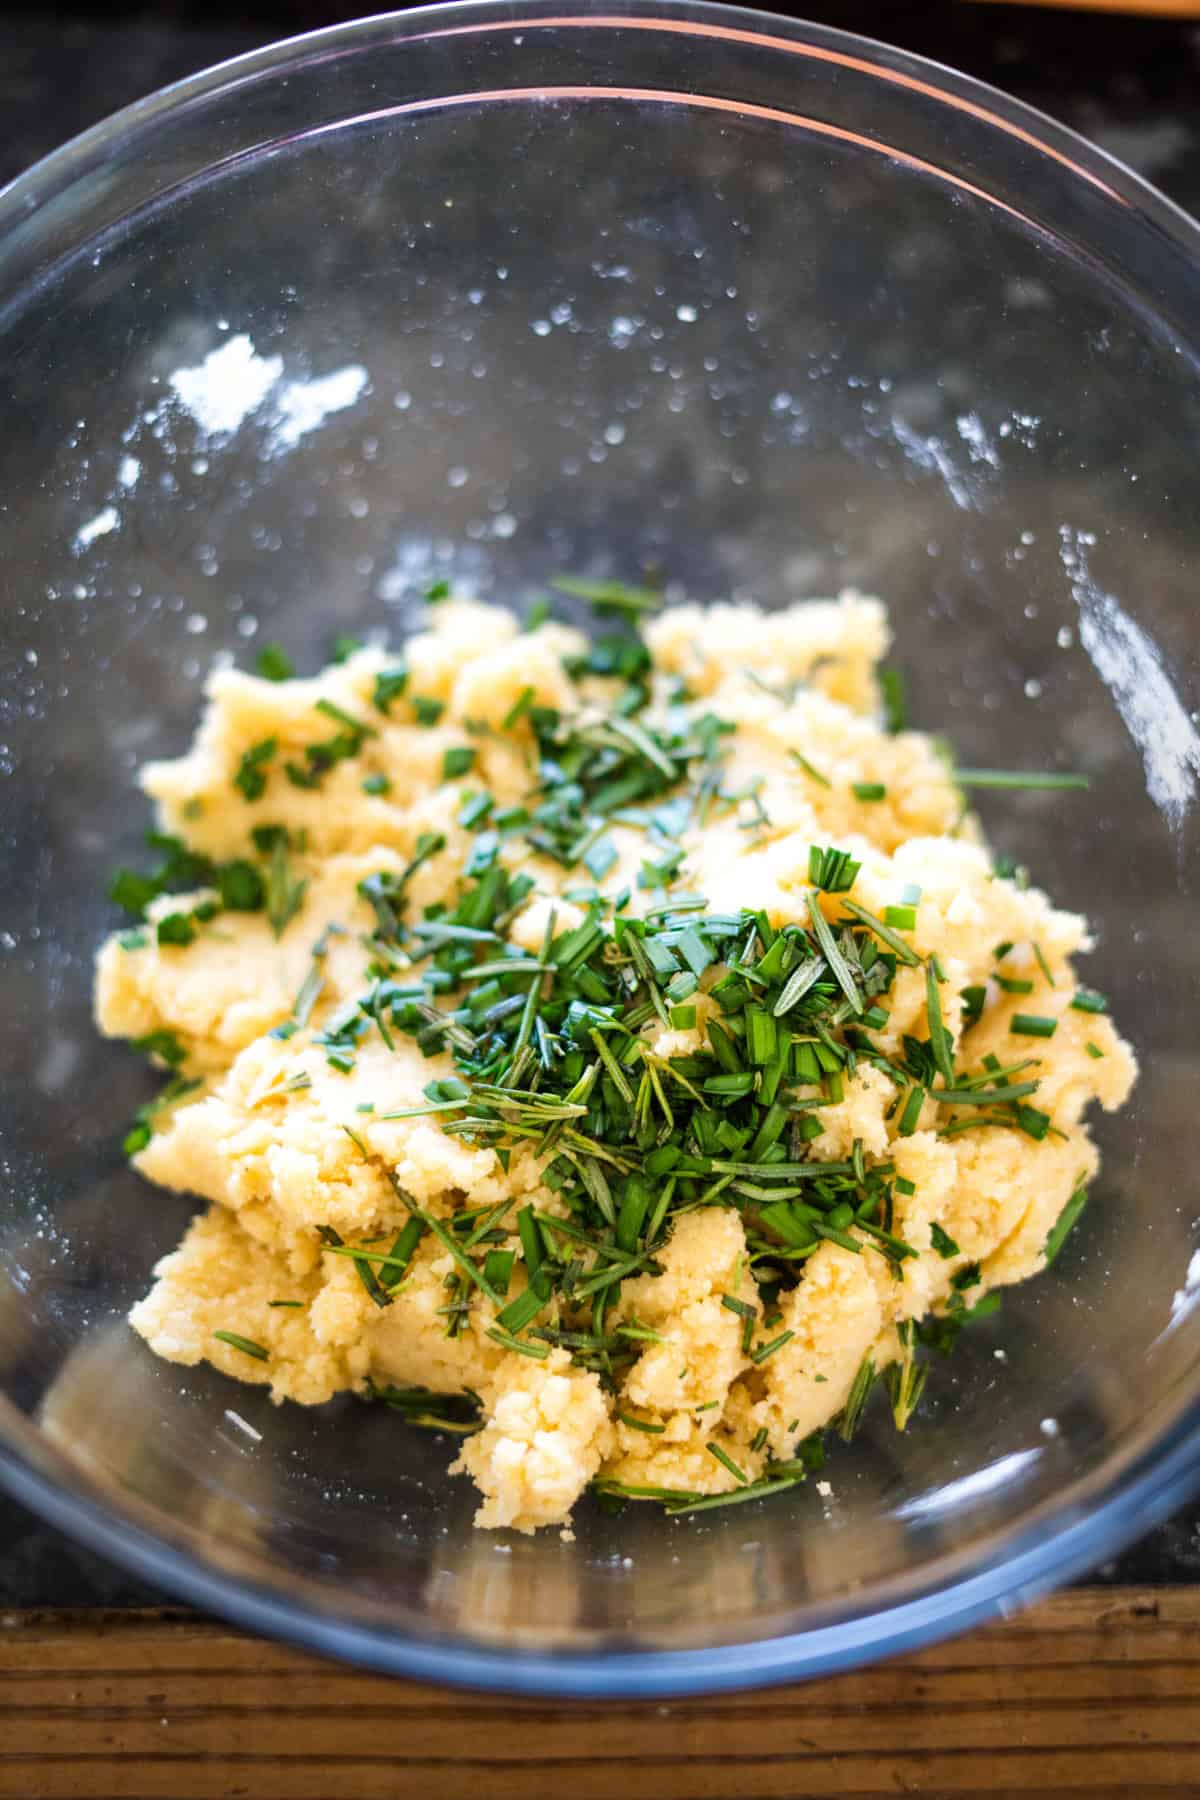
(1087, 1521)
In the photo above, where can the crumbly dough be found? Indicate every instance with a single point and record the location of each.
(264, 1140)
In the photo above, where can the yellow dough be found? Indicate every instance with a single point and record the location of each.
(279, 1142)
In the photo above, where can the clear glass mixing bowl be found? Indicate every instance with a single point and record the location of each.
(497, 291)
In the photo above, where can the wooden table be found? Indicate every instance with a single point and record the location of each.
(1095, 1693)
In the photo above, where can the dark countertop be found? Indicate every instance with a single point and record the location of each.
(1128, 84)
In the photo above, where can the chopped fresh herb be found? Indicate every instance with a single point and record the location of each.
(883, 931)
(344, 647)
(376, 784)
(437, 590)
(142, 1130)
(250, 778)
(284, 894)
(940, 1042)
(517, 711)
(1037, 1025)
(163, 1044)
(1093, 1050)
(813, 774)
(133, 891)
(640, 1424)
(973, 999)
(1042, 964)
(901, 918)
(906, 1378)
(176, 929)
(851, 1414)
(273, 663)
(1018, 778)
(942, 1242)
(389, 685)
(428, 710)
(1010, 985)
(726, 1461)
(457, 761)
(610, 596)
(869, 790)
(1086, 1000)
(240, 886)
(763, 1351)
(1064, 1224)
(246, 1345)
(832, 871)
(891, 688)
(911, 1111)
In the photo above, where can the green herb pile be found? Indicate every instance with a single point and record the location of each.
(554, 1049)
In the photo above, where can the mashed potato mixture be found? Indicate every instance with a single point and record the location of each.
(631, 1033)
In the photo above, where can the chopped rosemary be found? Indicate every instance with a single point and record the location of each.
(850, 1417)
(285, 895)
(726, 1461)
(246, 1345)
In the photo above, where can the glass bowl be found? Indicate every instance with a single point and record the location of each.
(491, 292)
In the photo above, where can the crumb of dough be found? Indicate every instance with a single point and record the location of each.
(316, 1135)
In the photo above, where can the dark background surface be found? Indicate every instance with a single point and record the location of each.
(1131, 85)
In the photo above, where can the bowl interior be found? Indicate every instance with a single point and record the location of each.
(458, 294)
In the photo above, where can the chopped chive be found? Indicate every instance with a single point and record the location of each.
(869, 790)
(273, 663)
(942, 1242)
(973, 999)
(389, 685)
(1037, 1025)
(891, 688)
(1010, 985)
(1093, 1049)
(520, 706)
(497, 1267)
(250, 777)
(911, 1112)
(176, 929)
(1087, 1000)
(940, 1042)
(1043, 965)
(457, 761)
(1064, 1224)
(1018, 778)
